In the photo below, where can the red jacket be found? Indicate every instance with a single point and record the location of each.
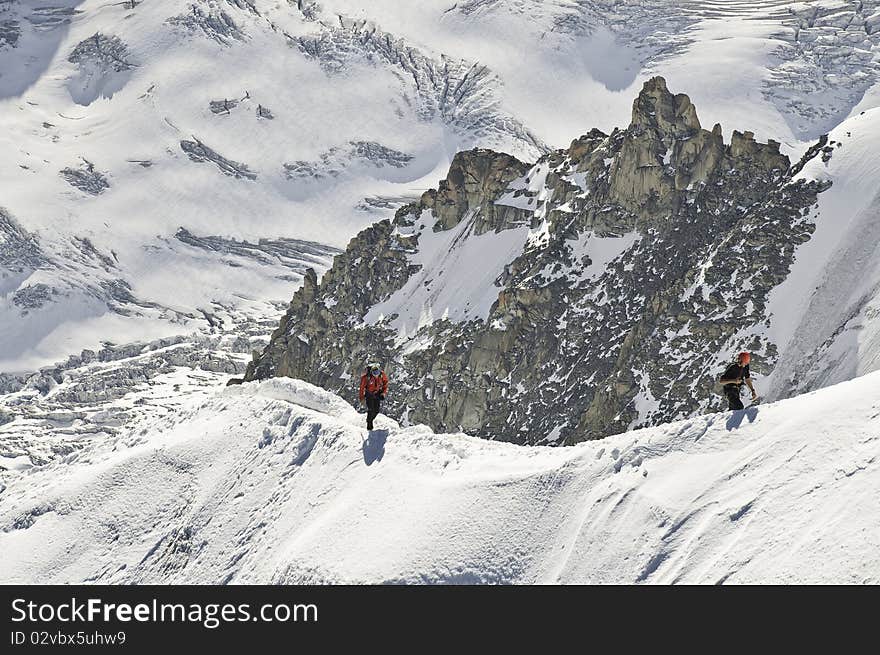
(373, 385)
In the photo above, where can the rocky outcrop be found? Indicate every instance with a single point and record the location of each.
(86, 178)
(462, 94)
(640, 260)
(337, 159)
(475, 179)
(315, 339)
(10, 33)
(665, 152)
(33, 296)
(211, 20)
(223, 106)
(295, 255)
(199, 152)
(19, 249)
(103, 51)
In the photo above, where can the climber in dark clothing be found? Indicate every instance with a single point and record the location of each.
(374, 386)
(734, 377)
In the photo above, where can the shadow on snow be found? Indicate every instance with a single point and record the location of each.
(736, 418)
(374, 446)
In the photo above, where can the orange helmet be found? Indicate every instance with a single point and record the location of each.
(744, 358)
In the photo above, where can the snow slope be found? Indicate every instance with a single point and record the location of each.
(457, 276)
(823, 317)
(274, 482)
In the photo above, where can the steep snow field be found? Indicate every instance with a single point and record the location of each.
(822, 317)
(278, 482)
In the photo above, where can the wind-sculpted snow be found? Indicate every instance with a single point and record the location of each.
(278, 482)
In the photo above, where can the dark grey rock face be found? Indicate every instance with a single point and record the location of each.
(652, 251)
(222, 106)
(211, 21)
(49, 17)
(355, 282)
(19, 250)
(379, 154)
(199, 152)
(33, 296)
(10, 32)
(107, 52)
(86, 178)
(336, 160)
(294, 254)
(246, 5)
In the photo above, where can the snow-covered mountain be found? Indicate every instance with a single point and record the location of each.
(605, 286)
(174, 171)
(171, 169)
(262, 119)
(275, 483)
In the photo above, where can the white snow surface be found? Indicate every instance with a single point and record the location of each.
(822, 317)
(278, 482)
(456, 279)
(344, 80)
(273, 482)
(601, 251)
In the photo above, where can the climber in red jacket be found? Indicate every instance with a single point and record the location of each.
(374, 386)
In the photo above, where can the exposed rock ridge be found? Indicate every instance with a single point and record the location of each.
(649, 256)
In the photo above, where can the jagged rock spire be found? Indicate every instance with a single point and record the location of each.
(656, 108)
(574, 345)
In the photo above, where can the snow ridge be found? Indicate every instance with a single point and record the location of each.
(277, 482)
